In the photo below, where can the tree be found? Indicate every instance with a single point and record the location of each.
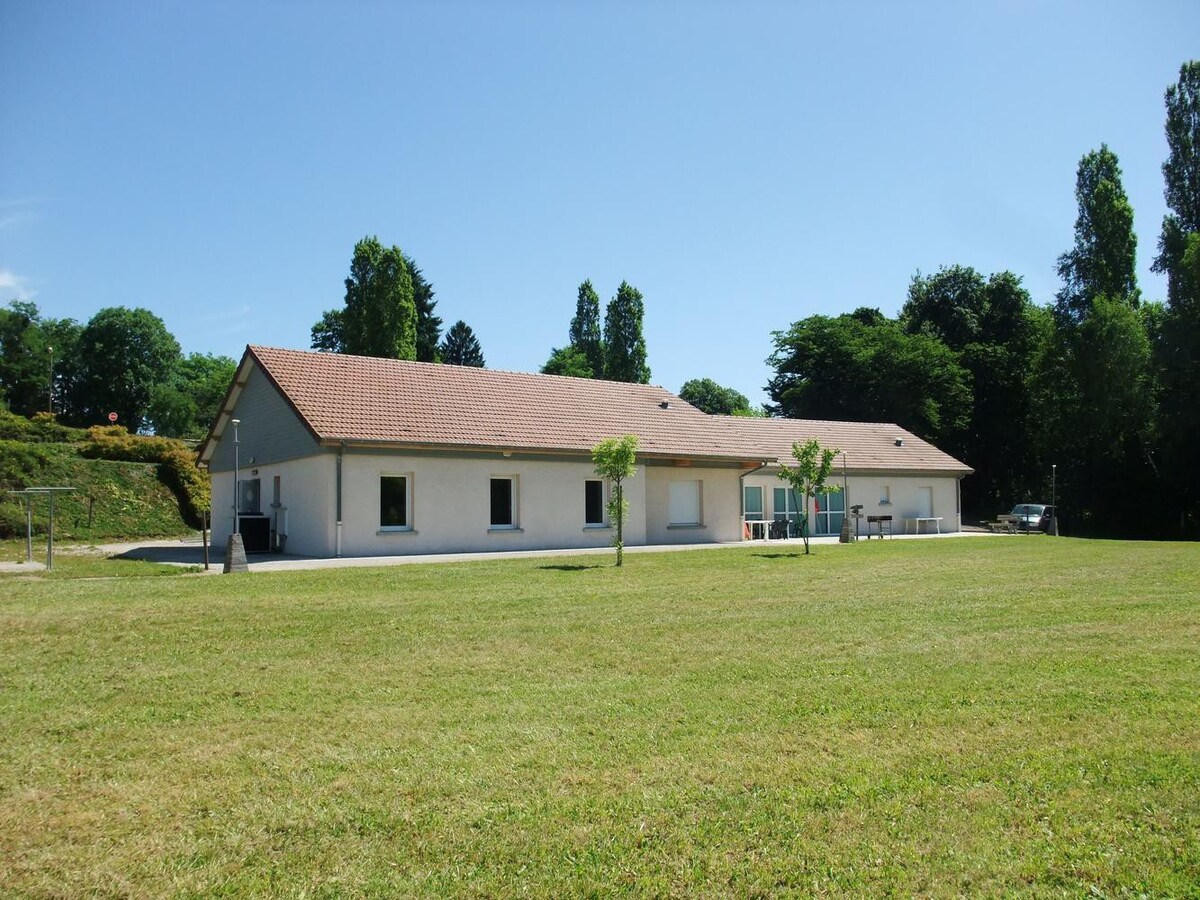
(24, 359)
(585, 328)
(624, 343)
(429, 326)
(380, 316)
(186, 405)
(949, 305)
(708, 396)
(807, 477)
(1094, 392)
(1094, 397)
(568, 361)
(1181, 174)
(842, 368)
(995, 329)
(460, 347)
(616, 459)
(125, 353)
(1177, 344)
(1104, 258)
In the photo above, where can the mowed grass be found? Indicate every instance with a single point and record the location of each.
(944, 717)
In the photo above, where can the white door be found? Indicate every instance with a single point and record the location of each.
(924, 503)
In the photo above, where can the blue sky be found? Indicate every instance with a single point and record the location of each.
(743, 164)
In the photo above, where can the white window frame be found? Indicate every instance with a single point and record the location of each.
(603, 523)
(408, 501)
(759, 516)
(885, 495)
(514, 503)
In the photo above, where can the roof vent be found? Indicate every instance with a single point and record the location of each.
(899, 442)
(666, 404)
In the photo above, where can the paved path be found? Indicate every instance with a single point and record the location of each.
(191, 553)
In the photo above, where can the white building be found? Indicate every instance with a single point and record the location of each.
(354, 456)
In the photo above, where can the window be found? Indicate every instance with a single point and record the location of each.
(394, 502)
(753, 502)
(683, 503)
(885, 496)
(503, 506)
(787, 505)
(249, 497)
(593, 502)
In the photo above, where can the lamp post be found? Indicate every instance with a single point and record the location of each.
(1054, 499)
(50, 386)
(237, 466)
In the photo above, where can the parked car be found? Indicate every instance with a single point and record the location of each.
(1033, 516)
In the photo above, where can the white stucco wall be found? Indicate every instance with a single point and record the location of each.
(306, 495)
(720, 505)
(451, 505)
(868, 490)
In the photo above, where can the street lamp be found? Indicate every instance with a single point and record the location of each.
(237, 465)
(50, 386)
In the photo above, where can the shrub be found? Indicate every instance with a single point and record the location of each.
(43, 428)
(176, 464)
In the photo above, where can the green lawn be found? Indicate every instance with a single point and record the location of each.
(943, 717)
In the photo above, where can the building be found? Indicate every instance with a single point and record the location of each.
(354, 456)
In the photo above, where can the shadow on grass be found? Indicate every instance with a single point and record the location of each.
(572, 568)
(781, 555)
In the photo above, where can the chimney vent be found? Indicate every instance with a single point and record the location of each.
(899, 442)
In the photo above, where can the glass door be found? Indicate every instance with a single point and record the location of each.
(787, 510)
(831, 509)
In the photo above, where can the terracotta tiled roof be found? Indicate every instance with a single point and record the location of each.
(363, 399)
(867, 445)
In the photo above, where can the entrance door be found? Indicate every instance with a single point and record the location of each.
(786, 509)
(924, 502)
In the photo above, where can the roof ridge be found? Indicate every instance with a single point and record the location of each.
(388, 360)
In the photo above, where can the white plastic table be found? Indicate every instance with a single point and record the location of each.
(917, 520)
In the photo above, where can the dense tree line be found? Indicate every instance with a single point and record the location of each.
(1099, 384)
(121, 361)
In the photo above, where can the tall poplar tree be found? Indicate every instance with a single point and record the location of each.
(380, 315)
(585, 328)
(1093, 378)
(1178, 340)
(624, 343)
(1104, 257)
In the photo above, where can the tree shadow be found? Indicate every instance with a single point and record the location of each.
(570, 568)
(780, 555)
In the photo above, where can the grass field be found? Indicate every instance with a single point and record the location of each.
(943, 717)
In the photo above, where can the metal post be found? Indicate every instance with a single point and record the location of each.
(50, 537)
(50, 388)
(237, 465)
(1054, 498)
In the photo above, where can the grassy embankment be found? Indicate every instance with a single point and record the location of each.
(125, 486)
(987, 716)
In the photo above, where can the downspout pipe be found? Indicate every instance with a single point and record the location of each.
(337, 538)
(958, 500)
(742, 490)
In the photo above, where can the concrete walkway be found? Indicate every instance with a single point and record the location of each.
(191, 553)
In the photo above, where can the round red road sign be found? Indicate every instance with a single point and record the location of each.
(112, 417)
